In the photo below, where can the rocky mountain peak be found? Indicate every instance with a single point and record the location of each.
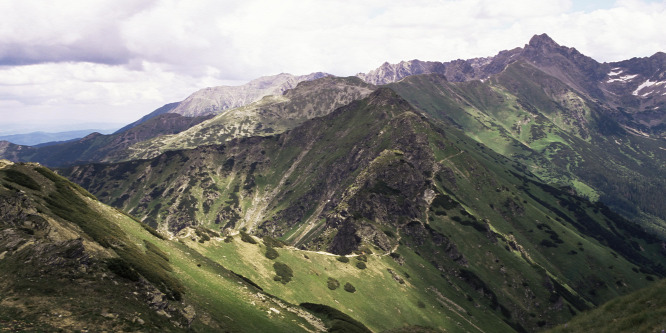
(542, 41)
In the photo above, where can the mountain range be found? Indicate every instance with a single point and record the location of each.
(508, 193)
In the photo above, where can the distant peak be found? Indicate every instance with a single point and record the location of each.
(542, 40)
(659, 56)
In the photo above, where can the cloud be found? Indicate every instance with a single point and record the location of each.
(133, 56)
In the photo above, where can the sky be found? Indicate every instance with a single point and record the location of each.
(67, 65)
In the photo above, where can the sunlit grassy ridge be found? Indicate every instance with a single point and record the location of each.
(387, 295)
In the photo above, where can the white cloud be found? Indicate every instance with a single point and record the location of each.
(129, 57)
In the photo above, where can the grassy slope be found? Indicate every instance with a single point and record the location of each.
(640, 311)
(222, 300)
(563, 138)
(380, 302)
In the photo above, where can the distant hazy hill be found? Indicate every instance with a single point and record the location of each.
(35, 138)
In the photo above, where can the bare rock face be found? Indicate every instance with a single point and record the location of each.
(210, 101)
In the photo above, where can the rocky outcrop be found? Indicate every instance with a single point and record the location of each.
(213, 100)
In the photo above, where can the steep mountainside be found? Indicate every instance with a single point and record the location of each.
(640, 311)
(270, 115)
(211, 101)
(68, 262)
(377, 176)
(97, 147)
(632, 91)
(561, 135)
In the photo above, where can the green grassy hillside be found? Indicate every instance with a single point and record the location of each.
(561, 136)
(69, 262)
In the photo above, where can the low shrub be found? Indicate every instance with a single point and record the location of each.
(228, 239)
(283, 272)
(360, 265)
(245, 237)
(349, 288)
(271, 253)
(343, 259)
(272, 242)
(332, 283)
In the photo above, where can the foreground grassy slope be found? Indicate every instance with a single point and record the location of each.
(640, 311)
(386, 294)
(70, 262)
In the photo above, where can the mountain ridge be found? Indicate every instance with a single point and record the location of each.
(404, 186)
(641, 113)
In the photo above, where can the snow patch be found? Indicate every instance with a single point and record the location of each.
(613, 71)
(643, 85)
(622, 78)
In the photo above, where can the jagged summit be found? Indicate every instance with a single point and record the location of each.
(542, 40)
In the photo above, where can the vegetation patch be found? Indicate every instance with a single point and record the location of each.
(343, 259)
(152, 231)
(20, 178)
(121, 268)
(245, 237)
(361, 265)
(349, 288)
(273, 242)
(332, 283)
(271, 253)
(283, 272)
